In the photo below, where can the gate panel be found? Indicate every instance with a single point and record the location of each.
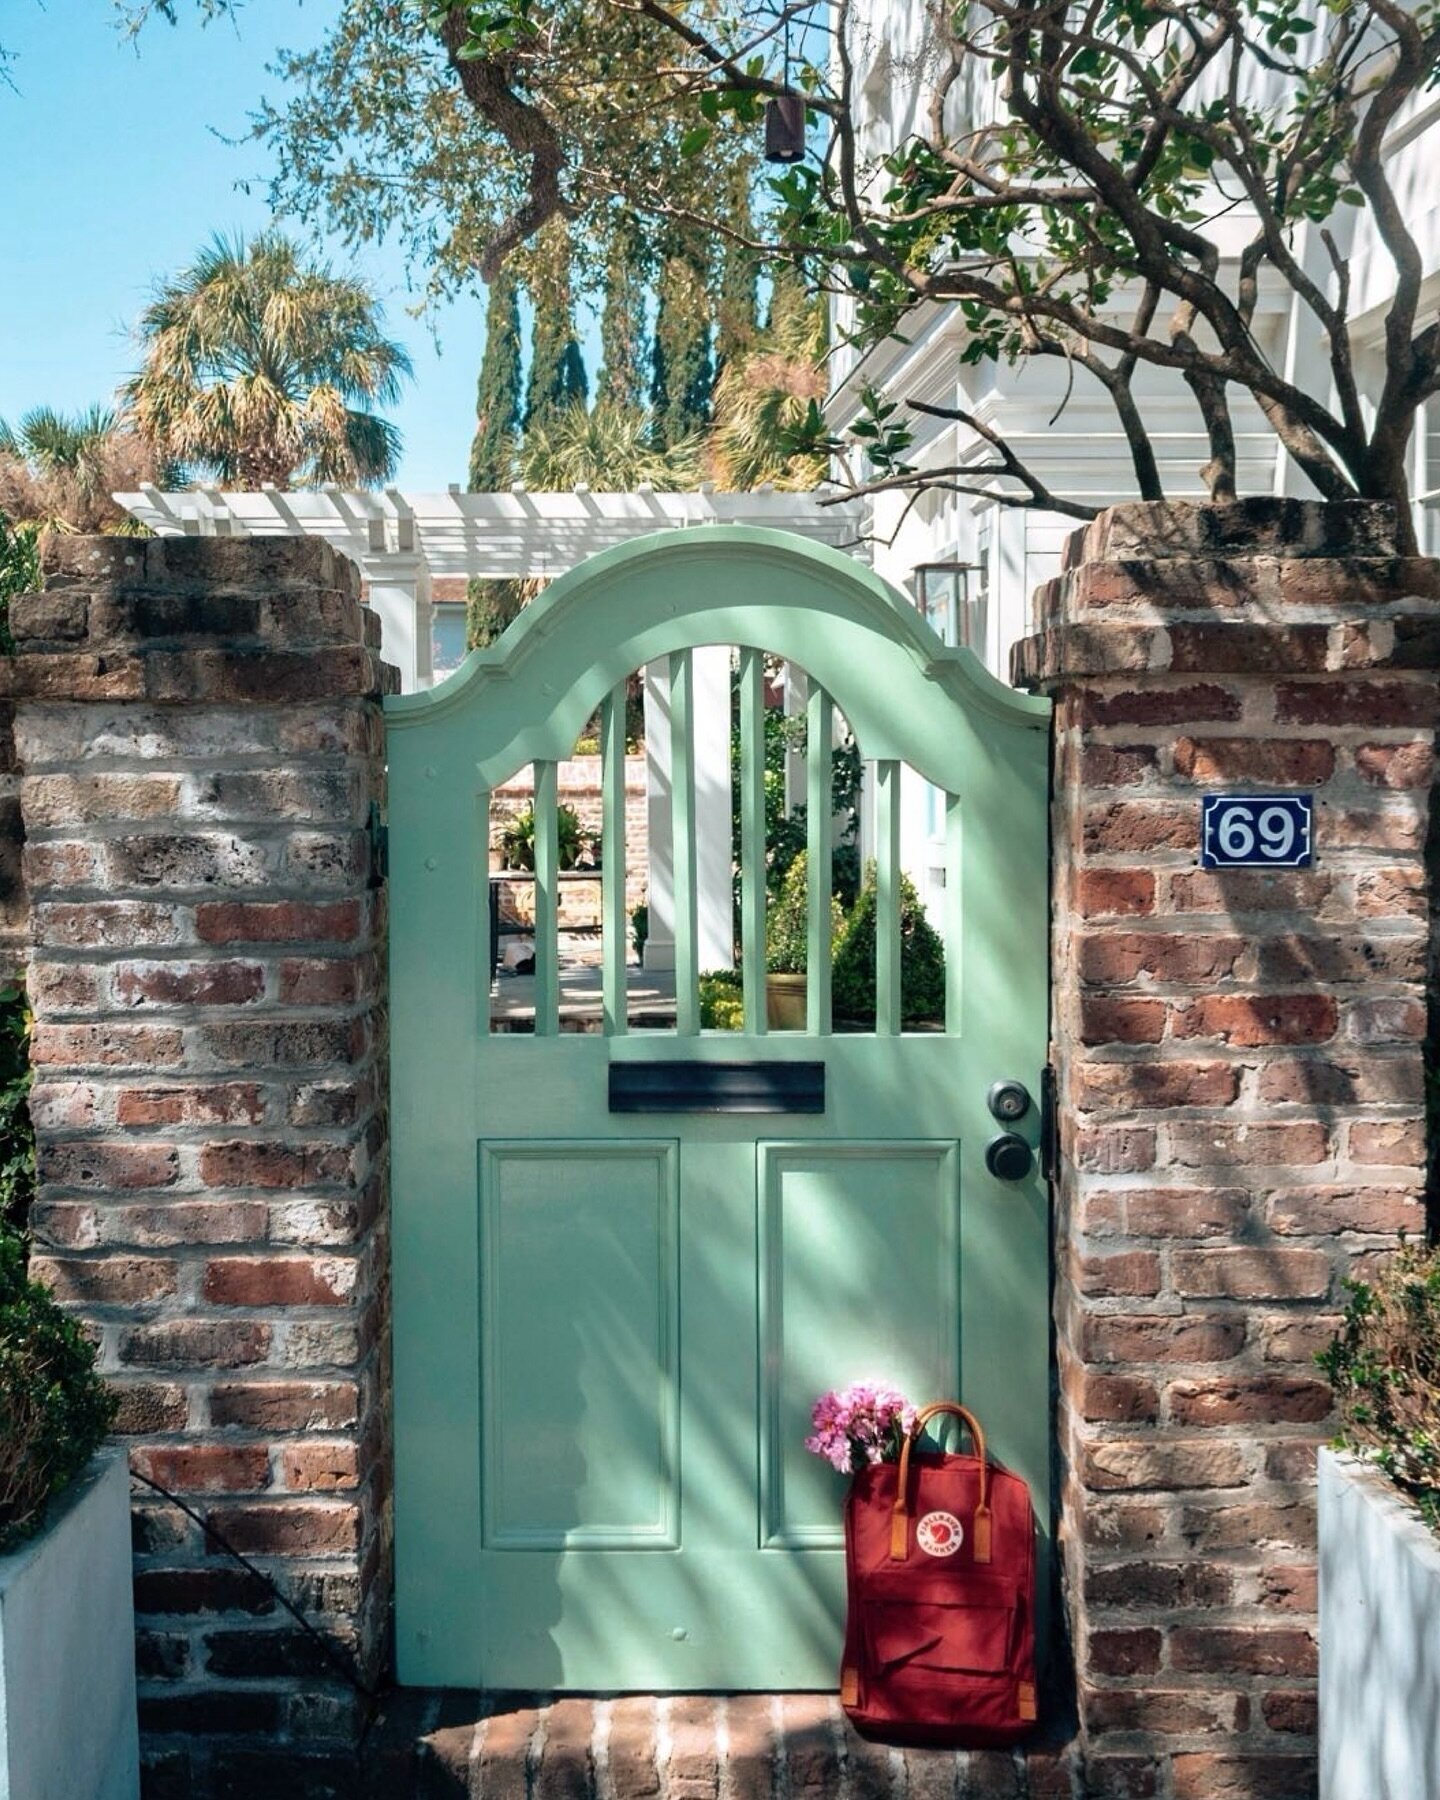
(580, 1301)
(870, 1230)
(607, 1340)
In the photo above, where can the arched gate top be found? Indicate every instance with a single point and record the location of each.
(529, 695)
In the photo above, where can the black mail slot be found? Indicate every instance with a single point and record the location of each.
(716, 1087)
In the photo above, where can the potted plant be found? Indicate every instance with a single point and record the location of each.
(922, 962)
(1379, 1552)
(67, 1657)
(722, 1001)
(517, 841)
(786, 945)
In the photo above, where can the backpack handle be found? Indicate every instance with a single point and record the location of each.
(900, 1517)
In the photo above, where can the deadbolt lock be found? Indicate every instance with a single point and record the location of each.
(1008, 1101)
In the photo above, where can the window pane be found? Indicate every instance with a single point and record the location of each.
(448, 638)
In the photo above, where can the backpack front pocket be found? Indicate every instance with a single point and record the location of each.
(949, 1638)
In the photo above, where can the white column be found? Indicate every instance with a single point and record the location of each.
(659, 952)
(1306, 361)
(424, 628)
(399, 591)
(714, 861)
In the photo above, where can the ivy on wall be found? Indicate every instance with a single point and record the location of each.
(17, 1136)
(19, 572)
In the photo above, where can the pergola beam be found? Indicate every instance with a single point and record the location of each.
(512, 534)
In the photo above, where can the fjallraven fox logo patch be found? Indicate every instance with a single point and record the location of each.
(939, 1534)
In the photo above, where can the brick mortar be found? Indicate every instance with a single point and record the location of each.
(1240, 1089)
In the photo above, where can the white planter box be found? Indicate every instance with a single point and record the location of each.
(67, 1649)
(1379, 1640)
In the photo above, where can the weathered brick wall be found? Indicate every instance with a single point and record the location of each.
(199, 728)
(1240, 1069)
(1239, 1055)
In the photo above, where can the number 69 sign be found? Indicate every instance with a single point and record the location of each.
(1268, 831)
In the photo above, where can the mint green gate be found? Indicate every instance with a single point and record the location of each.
(610, 1326)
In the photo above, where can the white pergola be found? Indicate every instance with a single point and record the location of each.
(403, 542)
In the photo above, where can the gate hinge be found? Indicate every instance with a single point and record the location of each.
(1049, 1124)
(378, 833)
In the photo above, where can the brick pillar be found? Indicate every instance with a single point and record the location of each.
(1241, 1098)
(201, 738)
(14, 909)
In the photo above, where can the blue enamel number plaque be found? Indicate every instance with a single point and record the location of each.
(1257, 831)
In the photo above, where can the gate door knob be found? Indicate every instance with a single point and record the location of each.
(1008, 1157)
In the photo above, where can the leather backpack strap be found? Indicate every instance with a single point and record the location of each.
(900, 1517)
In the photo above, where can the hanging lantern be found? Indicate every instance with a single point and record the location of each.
(785, 128)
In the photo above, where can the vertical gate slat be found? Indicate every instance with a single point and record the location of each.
(547, 900)
(752, 837)
(487, 950)
(954, 912)
(888, 1006)
(682, 779)
(613, 920)
(818, 714)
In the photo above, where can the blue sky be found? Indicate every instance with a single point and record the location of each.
(115, 175)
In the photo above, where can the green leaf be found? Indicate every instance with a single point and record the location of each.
(695, 140)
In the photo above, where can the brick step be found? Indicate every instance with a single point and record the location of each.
(468, 1746)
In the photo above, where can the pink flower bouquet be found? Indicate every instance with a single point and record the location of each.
(863, 1423)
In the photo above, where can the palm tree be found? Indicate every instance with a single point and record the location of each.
(261, 367)
(611, 446)
(767, 392)
(57, 471)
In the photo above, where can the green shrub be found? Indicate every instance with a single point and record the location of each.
(922, 962)
(17, 1135)
(722, 1001)
(785, 921)
(1384, 1365)
(517, 841)
(785, 829)
(639, 928)
(54, 1408)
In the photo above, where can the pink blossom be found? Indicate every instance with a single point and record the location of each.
(863, 1423)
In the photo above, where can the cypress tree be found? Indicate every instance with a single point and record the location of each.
(622, 325)
(737, 316)
(497, 399)
(557, 368)
(788, 300)
(491, 602)
(683, 368)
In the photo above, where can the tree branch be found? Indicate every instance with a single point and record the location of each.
(486, 84)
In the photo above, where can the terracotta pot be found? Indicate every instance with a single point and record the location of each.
(785, 1002)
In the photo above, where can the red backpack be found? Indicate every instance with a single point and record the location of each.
(940, 1568)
